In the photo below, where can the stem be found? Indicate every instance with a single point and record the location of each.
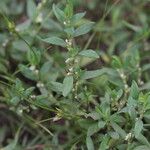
(11, 28)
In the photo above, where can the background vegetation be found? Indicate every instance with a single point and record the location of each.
(71, 80)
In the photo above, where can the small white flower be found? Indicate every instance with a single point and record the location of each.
(5, 43)
(141, 83)
(33, 96)
(122, 75)
(128, 136)
(76, 60)
(56, 118)
(69, 60)
(137, 65)
(17, 29)
(69, 42)
(20, 111)
(69, 73)
(36, 71)
(40, 85)
(32, 68)
(39, 18)
(65, 23)
(39, 6)
(66, 40)
(71, 69)
(126, 86)
(139, 69)
(77, 83)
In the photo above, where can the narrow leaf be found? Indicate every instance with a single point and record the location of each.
(55, 40)
(56, 86)
(69, 9)
(27, 72)
(89, 53)
(134, 92)
(60, 15)
(69, 31)
(83, 29)
(77, 17)
(34, 56)
(118, 129)
(142, 139)
(138, 127)
(93, 74)
(93, 129)
(114, 135)
(67, 85)
(89, 143)
(116, 62)
(142, 147)
(3, 68)
(104, 144)
(31, 9)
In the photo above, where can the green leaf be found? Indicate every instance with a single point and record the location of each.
(116, 62)
(142, 139)
(24, 26)
(114, 135)
(77, 17)
(56, 41)
(60, 15)
(118, 129)
(27, 72)
(18, 85)
(138, 127)
(3, 68)
(28, 91)
(56, 86)
(92, 74)
(141, 147)
(89, 53)
(42, 101)
(31, 9)
(67, 85)
(104, 143)
(93, 129)
(83, 29)
(34, 56)
(131, 106)
(44, 70)
(101, 124)
(89, 143)
(99, 72)
(69, 9)
(69, 31)
(134, 92)
(15, 100)
(20, 45)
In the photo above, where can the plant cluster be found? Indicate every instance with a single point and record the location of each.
(68, 83)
